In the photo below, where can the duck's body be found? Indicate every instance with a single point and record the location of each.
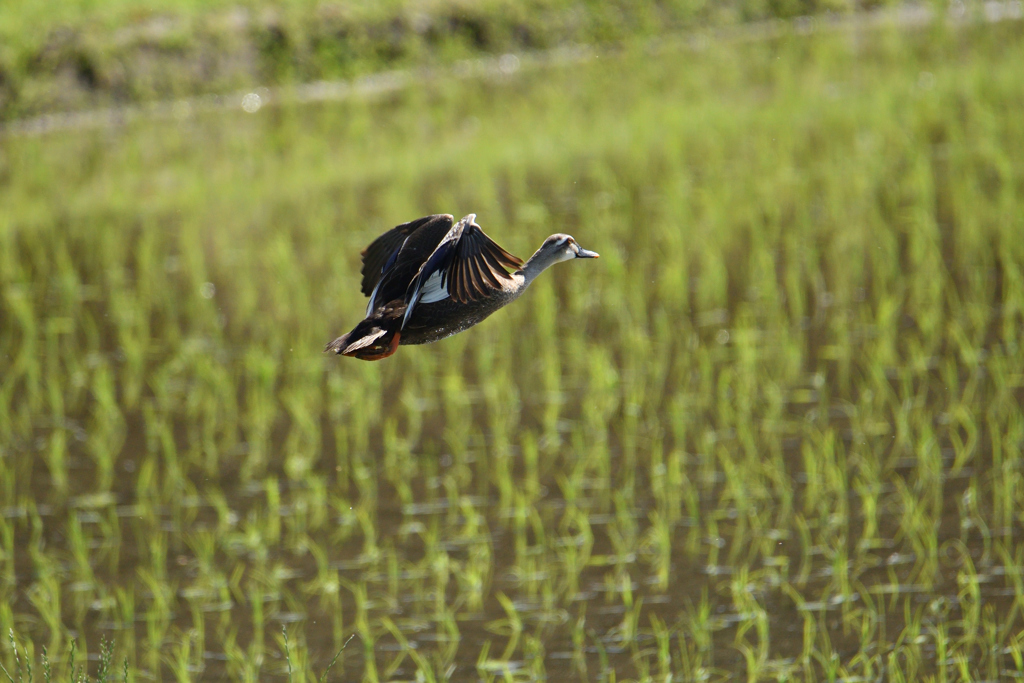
(431, 278)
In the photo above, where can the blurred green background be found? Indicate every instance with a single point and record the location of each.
(774, 433)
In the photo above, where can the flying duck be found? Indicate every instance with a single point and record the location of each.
(432, 277)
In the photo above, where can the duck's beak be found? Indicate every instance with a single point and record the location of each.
(584, 253)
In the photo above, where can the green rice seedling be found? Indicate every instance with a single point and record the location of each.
(56, 458)
(7, 548)
(533, 652)
(629, 629)
(45, 596)
(107, 428)
(79, 547)
(157, 617)
(757, 656)
(403, 643)
(362, 627)
(181, 658)
(511, 626)
(243, 665)
(695, 638)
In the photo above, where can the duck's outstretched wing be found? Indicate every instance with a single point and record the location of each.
(466, 266)
(382, 253)
(478, 266)
(393, 259)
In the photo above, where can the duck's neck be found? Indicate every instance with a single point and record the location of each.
(537, 264)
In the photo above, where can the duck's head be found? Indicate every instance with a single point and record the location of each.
(564, 247)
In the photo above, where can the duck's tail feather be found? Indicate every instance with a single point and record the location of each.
(338, 344)
(369, 341)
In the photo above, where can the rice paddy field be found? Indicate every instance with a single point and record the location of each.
(774, 433)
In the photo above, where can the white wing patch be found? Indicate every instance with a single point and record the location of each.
(373, 299)
(432, 291)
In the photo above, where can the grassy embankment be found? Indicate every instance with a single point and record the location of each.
(66, 56)
(776, 429)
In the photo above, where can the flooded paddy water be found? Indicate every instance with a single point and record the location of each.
(774, 433)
